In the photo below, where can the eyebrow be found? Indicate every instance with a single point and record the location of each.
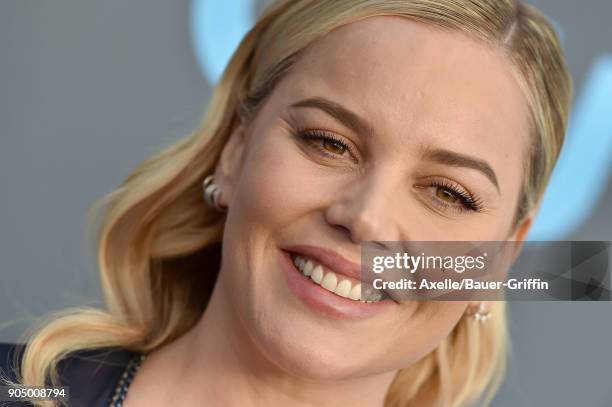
(455, 159)
(359, 125)
(339, 112)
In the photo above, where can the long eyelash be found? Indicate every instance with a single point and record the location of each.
(468, 201)
(325, 136)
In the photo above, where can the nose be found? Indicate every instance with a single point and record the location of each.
(364, 211)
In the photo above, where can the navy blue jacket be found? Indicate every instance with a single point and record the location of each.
(91, 375)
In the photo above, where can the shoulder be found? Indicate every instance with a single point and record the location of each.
(91, 375)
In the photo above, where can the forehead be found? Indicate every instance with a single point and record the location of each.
(420, 83)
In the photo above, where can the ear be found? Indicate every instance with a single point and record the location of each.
(519, 234)
(229, 166)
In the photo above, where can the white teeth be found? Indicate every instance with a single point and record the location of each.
(343, 288)
(355, 293)
(307, 270)
(331, 282)
(317, 274)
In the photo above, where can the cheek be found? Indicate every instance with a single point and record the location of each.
(267, 199)
(277, 184)
(426, 328)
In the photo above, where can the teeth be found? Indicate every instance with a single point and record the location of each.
(355, 293)
(331, 281)
(343, 289)
(307, 270)
(317, 274)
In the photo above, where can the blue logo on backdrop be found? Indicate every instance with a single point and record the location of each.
(584, 168)
(217, 27)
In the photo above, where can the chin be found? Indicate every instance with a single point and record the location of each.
(305, 347)
(312, 360)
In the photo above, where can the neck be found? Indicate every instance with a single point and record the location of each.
(223, 365)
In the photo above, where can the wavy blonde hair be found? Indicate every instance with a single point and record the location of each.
(159, 244)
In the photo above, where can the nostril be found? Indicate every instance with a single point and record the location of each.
(343, 229)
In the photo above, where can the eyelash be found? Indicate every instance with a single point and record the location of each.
(321, 135)
(469, 202)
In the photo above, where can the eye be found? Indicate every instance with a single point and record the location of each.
(446, 195)
(449, 195)
(334, 147)
(328, 144)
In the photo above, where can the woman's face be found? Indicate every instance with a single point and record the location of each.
(384, 129)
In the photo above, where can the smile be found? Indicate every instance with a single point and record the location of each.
(335, 283)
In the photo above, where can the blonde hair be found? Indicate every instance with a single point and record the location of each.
(159, 245)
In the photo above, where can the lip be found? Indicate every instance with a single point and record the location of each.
(322, 301)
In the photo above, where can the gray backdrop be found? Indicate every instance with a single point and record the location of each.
(89, 89)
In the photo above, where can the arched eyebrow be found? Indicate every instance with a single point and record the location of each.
(339, 112)
(454, 159)
(361, 126)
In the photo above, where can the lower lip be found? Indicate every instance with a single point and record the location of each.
(325, 302)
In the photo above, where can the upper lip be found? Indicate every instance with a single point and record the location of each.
(329, 259)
